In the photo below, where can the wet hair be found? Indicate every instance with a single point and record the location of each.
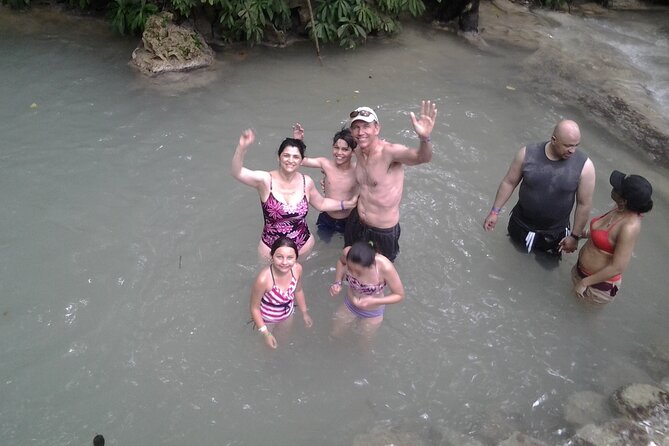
(346, 135)
(361, 253)
(98, 440)
(292, 142)
(281, 242)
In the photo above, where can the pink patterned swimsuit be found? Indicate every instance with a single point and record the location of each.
(286, 220)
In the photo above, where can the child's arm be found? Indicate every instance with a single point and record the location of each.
(335, 288)
(388, 273)
(257, 291)
(314, 162)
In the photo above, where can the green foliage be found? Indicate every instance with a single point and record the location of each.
(17, 4)
(81, 4)
(183, 7)
(345, 22)
(349, 22)
(396, 7)
(248, 19)
(553, 4)
(129, 16)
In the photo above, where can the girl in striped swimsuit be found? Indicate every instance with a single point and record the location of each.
(277, 289)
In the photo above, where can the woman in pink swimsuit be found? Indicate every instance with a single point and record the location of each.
(285, 194)
(368, 275)
(277, 290)
(601, 261)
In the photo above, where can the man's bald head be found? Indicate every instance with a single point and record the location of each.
(567, 130)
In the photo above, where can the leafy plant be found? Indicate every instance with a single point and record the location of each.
(129, 16)
(248, 19)
(350, 33)
(346, 22)
(553, 4)
(17, 4)
(354, 20)
(183, 7)
(81, 4)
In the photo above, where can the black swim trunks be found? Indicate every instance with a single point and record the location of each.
(386, 241)
(547, 241)
(327, 226)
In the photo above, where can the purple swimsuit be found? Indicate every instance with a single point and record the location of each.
(362, 289)
(286, 220)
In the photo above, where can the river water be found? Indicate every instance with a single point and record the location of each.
(129, 250)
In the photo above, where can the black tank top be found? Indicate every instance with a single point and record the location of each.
(548, 189)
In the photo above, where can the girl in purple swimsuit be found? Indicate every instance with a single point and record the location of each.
(368, 275)
(285, 195)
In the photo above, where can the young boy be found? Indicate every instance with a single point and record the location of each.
(339, 182)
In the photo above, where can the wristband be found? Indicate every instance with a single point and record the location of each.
(576, 237)
(495, 210)
(341, 203)
(337, 282)
(263, 329)
(426, 139)
(267, 334)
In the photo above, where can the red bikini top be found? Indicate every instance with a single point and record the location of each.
(600, 237)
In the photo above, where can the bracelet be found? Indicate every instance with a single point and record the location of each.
(267, 334)
(337, 282)
(426, 139)
(263, 329)
(576, 237)
(495, 210)
(341, 203)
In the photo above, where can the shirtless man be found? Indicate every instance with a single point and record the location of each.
(380, 175)
(339, 182)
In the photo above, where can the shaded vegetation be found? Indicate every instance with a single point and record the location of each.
(344, 22)
(347, 23)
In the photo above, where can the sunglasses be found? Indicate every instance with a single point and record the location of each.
(356, 113)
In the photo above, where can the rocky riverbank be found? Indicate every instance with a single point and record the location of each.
(591, 77)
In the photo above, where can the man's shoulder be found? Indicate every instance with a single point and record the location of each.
(391, 149)
(534, 147)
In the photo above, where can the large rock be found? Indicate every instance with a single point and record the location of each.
(640, 401)
(614, 433)
(167, 47)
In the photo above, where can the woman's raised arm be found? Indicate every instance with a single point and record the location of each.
(327, 204)
(253, 178)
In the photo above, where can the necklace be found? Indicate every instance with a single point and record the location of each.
(612, 219)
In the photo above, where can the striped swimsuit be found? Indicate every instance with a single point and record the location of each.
(277, 305)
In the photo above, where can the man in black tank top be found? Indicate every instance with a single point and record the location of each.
(553, 176)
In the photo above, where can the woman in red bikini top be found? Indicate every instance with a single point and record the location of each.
(612, 237)
(285, 194)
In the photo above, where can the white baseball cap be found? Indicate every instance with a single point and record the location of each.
(363, 114)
